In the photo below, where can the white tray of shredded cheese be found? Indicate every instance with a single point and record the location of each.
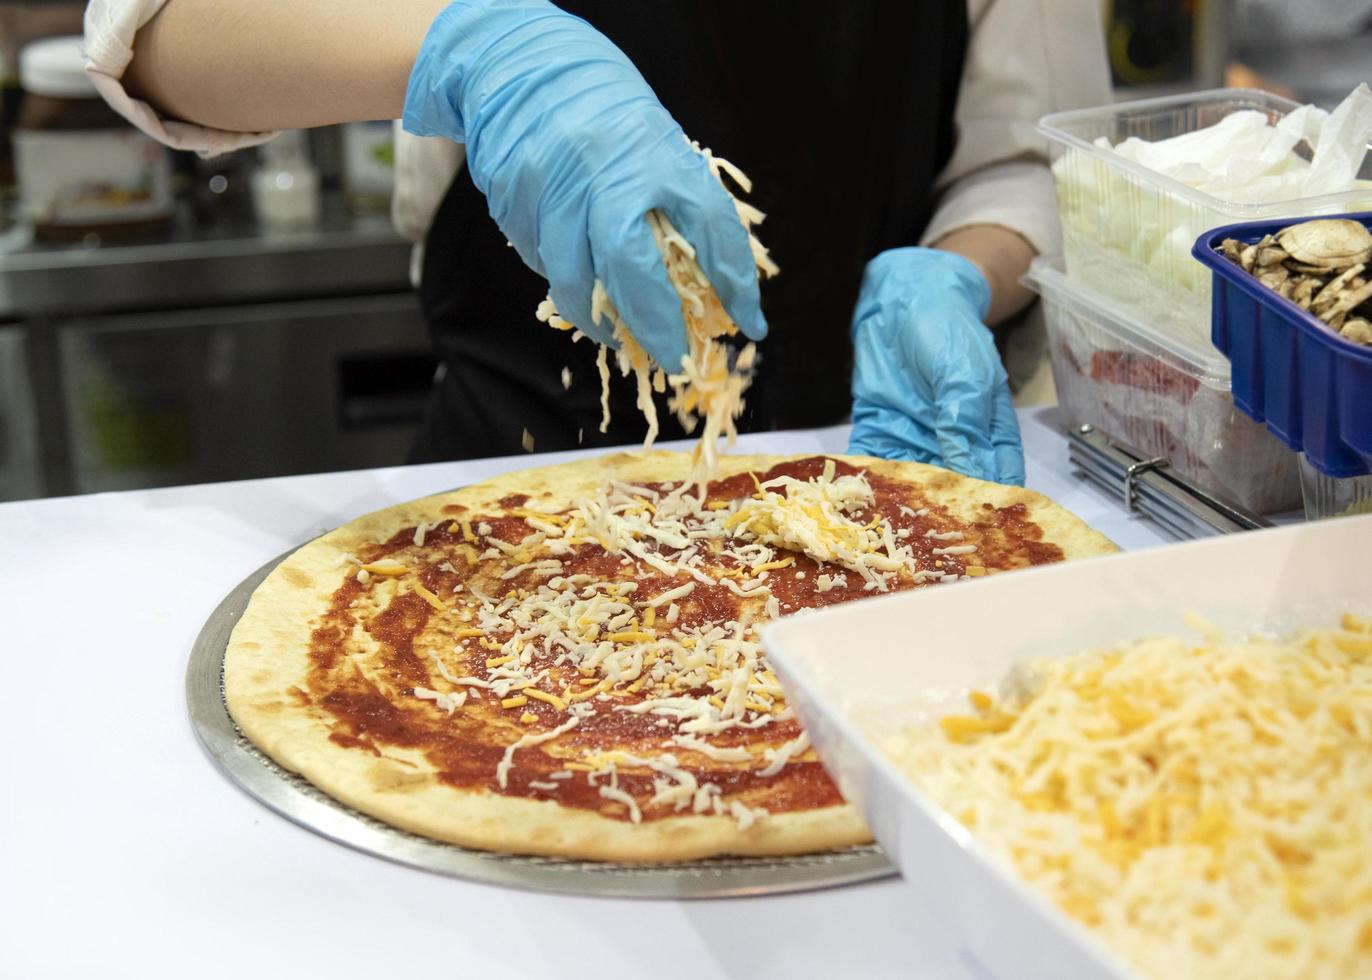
(1151, 764)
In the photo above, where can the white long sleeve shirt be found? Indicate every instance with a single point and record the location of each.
(1025, 58)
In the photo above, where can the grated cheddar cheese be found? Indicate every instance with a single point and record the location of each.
(1205, 807)
(813, 517)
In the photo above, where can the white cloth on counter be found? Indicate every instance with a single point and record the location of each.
(1025, 58)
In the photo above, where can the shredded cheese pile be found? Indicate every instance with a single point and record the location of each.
(812, 517)
(709, 383)
(1206, 807)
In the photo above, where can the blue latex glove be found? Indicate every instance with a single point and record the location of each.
(572, 148)
(928, 384)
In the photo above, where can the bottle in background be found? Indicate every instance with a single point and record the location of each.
(285, 187)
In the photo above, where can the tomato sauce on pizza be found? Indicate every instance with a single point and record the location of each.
(605, 655)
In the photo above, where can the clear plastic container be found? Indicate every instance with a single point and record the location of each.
(1127, 231)
(1330, 496)
(1144, 388)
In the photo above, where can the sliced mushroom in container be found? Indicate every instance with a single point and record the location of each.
(1321, 266)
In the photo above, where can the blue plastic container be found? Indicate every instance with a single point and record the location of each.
(1312, 387)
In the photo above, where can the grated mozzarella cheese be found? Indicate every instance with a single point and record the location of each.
(450, 702)
(502, 771)
(530, 627)
(815, 518)
(746, 815)
(619, 796)
(736, 754)
(778, 758)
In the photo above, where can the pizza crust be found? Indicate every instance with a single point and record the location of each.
(267, 658)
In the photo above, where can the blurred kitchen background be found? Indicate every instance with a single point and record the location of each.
(185, 320)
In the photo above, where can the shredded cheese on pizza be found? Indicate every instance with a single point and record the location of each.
(549, 633)
(1205, 807)
(708, 386)
(812, 516)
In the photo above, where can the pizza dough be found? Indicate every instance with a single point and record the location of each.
(564, 661)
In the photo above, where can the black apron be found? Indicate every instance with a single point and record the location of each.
(840, 112)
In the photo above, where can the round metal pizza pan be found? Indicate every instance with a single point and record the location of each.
(298, 800)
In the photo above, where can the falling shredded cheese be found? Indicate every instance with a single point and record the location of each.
(709, 383)
(1205, 807)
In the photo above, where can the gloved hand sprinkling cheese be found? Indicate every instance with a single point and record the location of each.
(709, 383)
(599, 190)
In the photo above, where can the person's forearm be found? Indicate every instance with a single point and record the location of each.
(254, 65)
(1003, 256)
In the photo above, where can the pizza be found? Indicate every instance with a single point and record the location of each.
(566, 661)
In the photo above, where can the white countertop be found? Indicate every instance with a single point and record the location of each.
(124, 851)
